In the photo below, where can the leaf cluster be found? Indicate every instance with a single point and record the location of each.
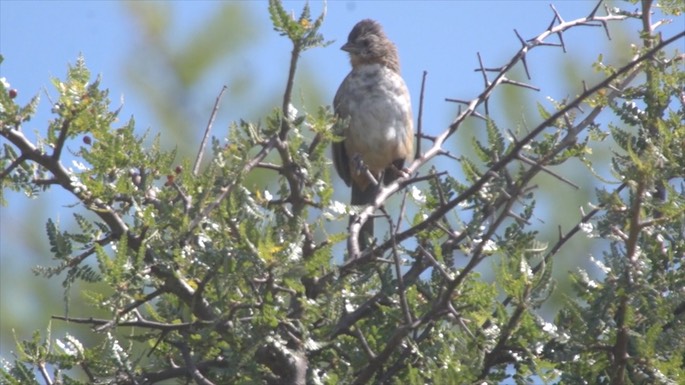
(231, 274)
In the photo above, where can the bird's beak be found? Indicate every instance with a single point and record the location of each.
(348, 47)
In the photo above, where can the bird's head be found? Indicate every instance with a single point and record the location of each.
(367, 44)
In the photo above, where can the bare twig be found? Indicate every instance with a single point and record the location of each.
(12, 166)
(208, 129)
(193, 370)
(436, 149)
(524, 159)
(419, 124)
(142, 323)
(44, 373)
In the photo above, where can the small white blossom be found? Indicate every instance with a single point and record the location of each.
(492, 332)
(605, 269)
(585, 278)
(549, 328)
(267, 195)
(525, 269)
(71, 347)
(119, 353)
(588, 228)
(338, 207)
(490, 246)
(79, 165)
(203, 240)
(6, 365)
(349, 307)
(663, 379)
(76, 183)
(128, 266)
(320, 185)
(418, 195)
(295, 250)
(292, 112)
(491, 335)
(485, 192)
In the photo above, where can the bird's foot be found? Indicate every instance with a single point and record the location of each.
(362, 168)
(400, 172)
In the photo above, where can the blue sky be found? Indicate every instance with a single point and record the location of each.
(38, 39)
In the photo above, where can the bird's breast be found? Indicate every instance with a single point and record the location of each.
(376, 101)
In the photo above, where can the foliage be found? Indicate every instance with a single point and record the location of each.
(213, 281)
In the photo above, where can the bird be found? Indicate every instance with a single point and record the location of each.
(373, 106)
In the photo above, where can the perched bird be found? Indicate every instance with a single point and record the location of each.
(374, 108)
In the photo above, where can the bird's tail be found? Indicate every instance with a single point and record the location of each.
(361, 198)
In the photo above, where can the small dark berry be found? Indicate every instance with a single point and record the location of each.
(87, 140)
(178, 170)
(13, 93)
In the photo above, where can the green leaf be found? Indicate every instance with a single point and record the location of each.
(495, 140)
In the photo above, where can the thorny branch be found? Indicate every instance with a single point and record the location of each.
(490, 85)
(625, 74)
(411, 324)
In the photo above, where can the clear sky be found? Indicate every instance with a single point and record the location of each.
(39, 38)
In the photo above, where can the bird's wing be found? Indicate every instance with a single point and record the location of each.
(341, 160)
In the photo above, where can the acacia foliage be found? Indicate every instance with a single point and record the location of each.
(213, 281)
